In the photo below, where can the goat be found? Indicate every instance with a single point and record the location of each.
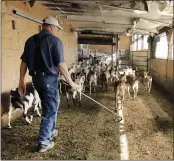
(80, 81)
(25, 103)
(77, 95)
(113, 75)
(119, 89)
(105, 77)
(72, 70)
(127, 71)
(147, 81)
(92, 79)
(68, 88)
(132, 82)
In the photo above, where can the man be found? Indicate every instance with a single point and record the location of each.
(43, 56)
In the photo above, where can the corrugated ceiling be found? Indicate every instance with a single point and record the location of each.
(137, 16)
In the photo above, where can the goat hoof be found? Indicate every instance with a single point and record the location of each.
(8, 127)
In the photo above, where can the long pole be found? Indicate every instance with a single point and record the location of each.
(64, 82)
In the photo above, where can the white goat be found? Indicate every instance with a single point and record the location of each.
(92, 79)
(77, 93)
(147, 81)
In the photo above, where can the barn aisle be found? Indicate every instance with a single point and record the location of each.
(90, 132)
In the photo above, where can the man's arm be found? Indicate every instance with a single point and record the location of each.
(64, 71)
(21, 87)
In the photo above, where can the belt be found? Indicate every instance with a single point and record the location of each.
(38, 72)
(42, 73)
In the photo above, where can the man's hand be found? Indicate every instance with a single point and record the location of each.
(64, 71)
(21, 89)
(75, 86)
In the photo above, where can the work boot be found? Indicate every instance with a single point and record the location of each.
(44, 148)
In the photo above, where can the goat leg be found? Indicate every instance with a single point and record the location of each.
(27, 119)
(80, 97)
(150, 85)
(39, 105)
(9, 117)
(116, 101)
(122, 102)
(128, 90)
(102, 85)
(67, 98)
(74, 98)
(36, 108)
(106, 86)
(89, 87)
(134, 90)
(31, 118)
(74, 102)
(60, 87)
(84, 87)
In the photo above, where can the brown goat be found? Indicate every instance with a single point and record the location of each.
(132, 81)
(119, 89)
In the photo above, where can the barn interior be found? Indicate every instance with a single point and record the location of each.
(128, 33)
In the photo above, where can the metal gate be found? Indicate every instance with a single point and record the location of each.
(140, 60)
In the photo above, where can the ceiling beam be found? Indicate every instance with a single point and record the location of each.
(111, 30)
(97, 24)
(106, 19)
(164, 23)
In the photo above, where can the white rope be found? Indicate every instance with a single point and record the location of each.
(96, 102)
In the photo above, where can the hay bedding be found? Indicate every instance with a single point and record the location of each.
(89, 132)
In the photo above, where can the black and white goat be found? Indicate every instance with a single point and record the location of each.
(26, 102)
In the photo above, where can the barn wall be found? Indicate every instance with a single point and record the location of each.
(13, 41)
(124, 43)
(101, 48)
(162, 69)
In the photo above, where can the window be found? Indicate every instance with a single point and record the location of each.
(145, 43)
(134, 46)
(140, 43)
(162, 48)
(135, 37)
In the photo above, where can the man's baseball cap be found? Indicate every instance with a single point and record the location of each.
(52, 21)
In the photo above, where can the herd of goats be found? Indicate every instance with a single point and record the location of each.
(85, 73)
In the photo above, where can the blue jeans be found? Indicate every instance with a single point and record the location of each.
(47, 88)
